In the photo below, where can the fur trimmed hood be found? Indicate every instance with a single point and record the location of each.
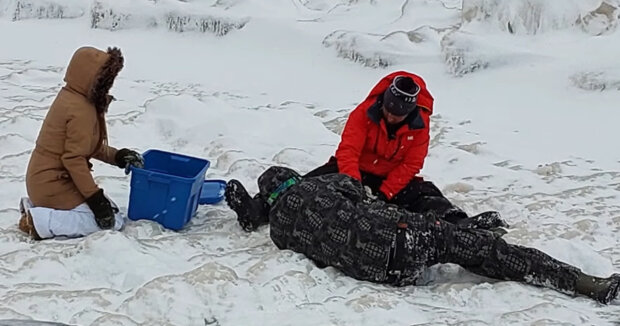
(91, 73)
(74, 131)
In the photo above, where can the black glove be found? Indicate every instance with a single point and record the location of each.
(126, 157)
(381, 196)
(489, 220)
(259, 214)
(249, 224)
(103, 210)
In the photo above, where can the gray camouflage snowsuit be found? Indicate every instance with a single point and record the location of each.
(330, 219)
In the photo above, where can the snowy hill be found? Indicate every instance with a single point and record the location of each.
(525, 123)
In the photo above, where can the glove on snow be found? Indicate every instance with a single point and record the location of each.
(103, 210)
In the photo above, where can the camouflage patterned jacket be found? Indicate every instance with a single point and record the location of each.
(330, 220)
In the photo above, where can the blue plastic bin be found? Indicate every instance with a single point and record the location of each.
(167, 189)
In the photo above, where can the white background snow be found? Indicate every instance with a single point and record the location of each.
(526, 123)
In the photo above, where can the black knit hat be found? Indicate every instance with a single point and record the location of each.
(271, 180)
(401, 97)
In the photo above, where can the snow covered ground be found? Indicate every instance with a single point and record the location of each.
(526, 123)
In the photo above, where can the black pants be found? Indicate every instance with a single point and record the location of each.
(484, 253)
(418, 196)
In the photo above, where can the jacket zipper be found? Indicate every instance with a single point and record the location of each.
(377, 138)
(397, 149)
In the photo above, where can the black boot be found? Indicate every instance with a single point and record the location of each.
(251, 212)
(603, 290)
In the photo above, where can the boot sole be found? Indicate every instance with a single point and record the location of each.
(240, 202)
(614, 288)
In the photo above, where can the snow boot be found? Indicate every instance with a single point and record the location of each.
(603, 290)
(25, 222)
(250, 211)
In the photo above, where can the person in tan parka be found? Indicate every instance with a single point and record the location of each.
(63, 198)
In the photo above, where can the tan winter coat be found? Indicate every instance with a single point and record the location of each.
(74, 131)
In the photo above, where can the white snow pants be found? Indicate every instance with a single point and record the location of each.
(73, 223)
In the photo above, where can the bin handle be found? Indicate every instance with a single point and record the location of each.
(179, 158)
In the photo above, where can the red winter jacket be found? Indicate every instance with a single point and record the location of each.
(365, 145)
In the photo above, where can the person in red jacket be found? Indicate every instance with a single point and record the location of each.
(384, 144)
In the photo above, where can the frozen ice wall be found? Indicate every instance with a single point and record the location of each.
(538, 16)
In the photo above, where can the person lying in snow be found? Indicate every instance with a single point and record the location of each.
(384, 145)
(331, 220)
(64, 199)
